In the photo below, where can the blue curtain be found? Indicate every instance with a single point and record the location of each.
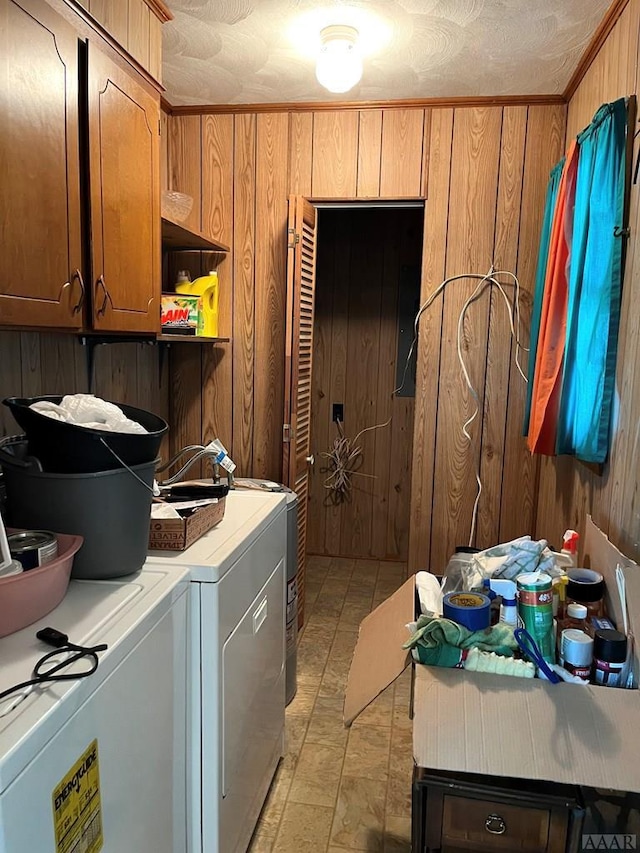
(595, 280)
(543, 255)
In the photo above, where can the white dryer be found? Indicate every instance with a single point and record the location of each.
(237, 667)
(99, 763)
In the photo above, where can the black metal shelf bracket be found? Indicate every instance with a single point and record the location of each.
(90, 342)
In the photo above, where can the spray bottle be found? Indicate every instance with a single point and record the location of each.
(509, 608)
(567, 558)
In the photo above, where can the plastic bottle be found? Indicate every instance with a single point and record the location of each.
(207, 288)
(576, 616)
(507, 590)
(570, 546)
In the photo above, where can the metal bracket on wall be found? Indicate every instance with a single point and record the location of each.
(90, 342)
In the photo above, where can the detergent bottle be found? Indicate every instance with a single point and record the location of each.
(206, 287)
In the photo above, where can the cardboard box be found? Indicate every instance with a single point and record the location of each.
(179, 313)
(176, 534)
(503, 726)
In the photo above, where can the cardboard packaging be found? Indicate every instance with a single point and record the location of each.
(176, 534)
(179, 313)
(503, 726)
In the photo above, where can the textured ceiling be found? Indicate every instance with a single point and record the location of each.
(263, 51)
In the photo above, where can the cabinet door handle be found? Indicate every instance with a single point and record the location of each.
(106, 298)
(78, 306)
(495, 824)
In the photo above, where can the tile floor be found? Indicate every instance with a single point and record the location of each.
(338, 789)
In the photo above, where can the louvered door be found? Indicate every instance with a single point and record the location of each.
(301, 280)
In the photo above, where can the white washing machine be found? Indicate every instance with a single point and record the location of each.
(237, 668)
(99, 763)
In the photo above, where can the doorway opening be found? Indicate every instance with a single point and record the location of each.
(368, 268)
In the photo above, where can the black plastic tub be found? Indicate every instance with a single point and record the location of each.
(71, 449)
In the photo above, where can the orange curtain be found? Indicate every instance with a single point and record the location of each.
(547, 383)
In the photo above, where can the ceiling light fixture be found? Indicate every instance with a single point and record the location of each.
(339, 65)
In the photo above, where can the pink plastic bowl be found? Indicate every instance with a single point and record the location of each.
(29, 596)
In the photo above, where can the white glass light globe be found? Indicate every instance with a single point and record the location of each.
(339, 65)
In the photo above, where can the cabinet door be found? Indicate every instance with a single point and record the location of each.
(124, 174)
(40, 237)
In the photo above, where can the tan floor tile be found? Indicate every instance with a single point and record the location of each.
(366, 567)
(327, 729)
(337, 583)
(323, 622)
(312, 656)
(306, 681)
(399, 792)
(353, 614)
(280, 785)
(261, 842)
(359, 816)
(402, 691)
(401, 718)
(343, 646)
(361, 595)
(311, 592)
(368, 752)
(397, 835)
(401, 749)
(303, 829)
(270, 820)
(295, 731)
(334, 680)
(329, 706)
(365, 572)
(317, 775)
(302, 703)
(341, 567)
(327, 605)
(317, 566)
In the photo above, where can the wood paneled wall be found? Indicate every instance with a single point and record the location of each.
(359, 275)
(235, 391)
(569, 490)
(483, 171)
(33, 363)
(487, 176)
(134, 25)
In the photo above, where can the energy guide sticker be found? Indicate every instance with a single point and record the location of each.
(77, 816)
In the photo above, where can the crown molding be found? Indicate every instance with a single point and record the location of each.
(160, 10)
(324, 106)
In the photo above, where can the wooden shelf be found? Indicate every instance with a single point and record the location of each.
(197, 339)
(176, 237)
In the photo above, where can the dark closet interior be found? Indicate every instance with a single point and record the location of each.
(367, 295)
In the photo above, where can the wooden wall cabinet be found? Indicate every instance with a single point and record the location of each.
(124, 175)
(40, 231)
(42, 218)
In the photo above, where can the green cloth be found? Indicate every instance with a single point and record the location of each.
(438, 641)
